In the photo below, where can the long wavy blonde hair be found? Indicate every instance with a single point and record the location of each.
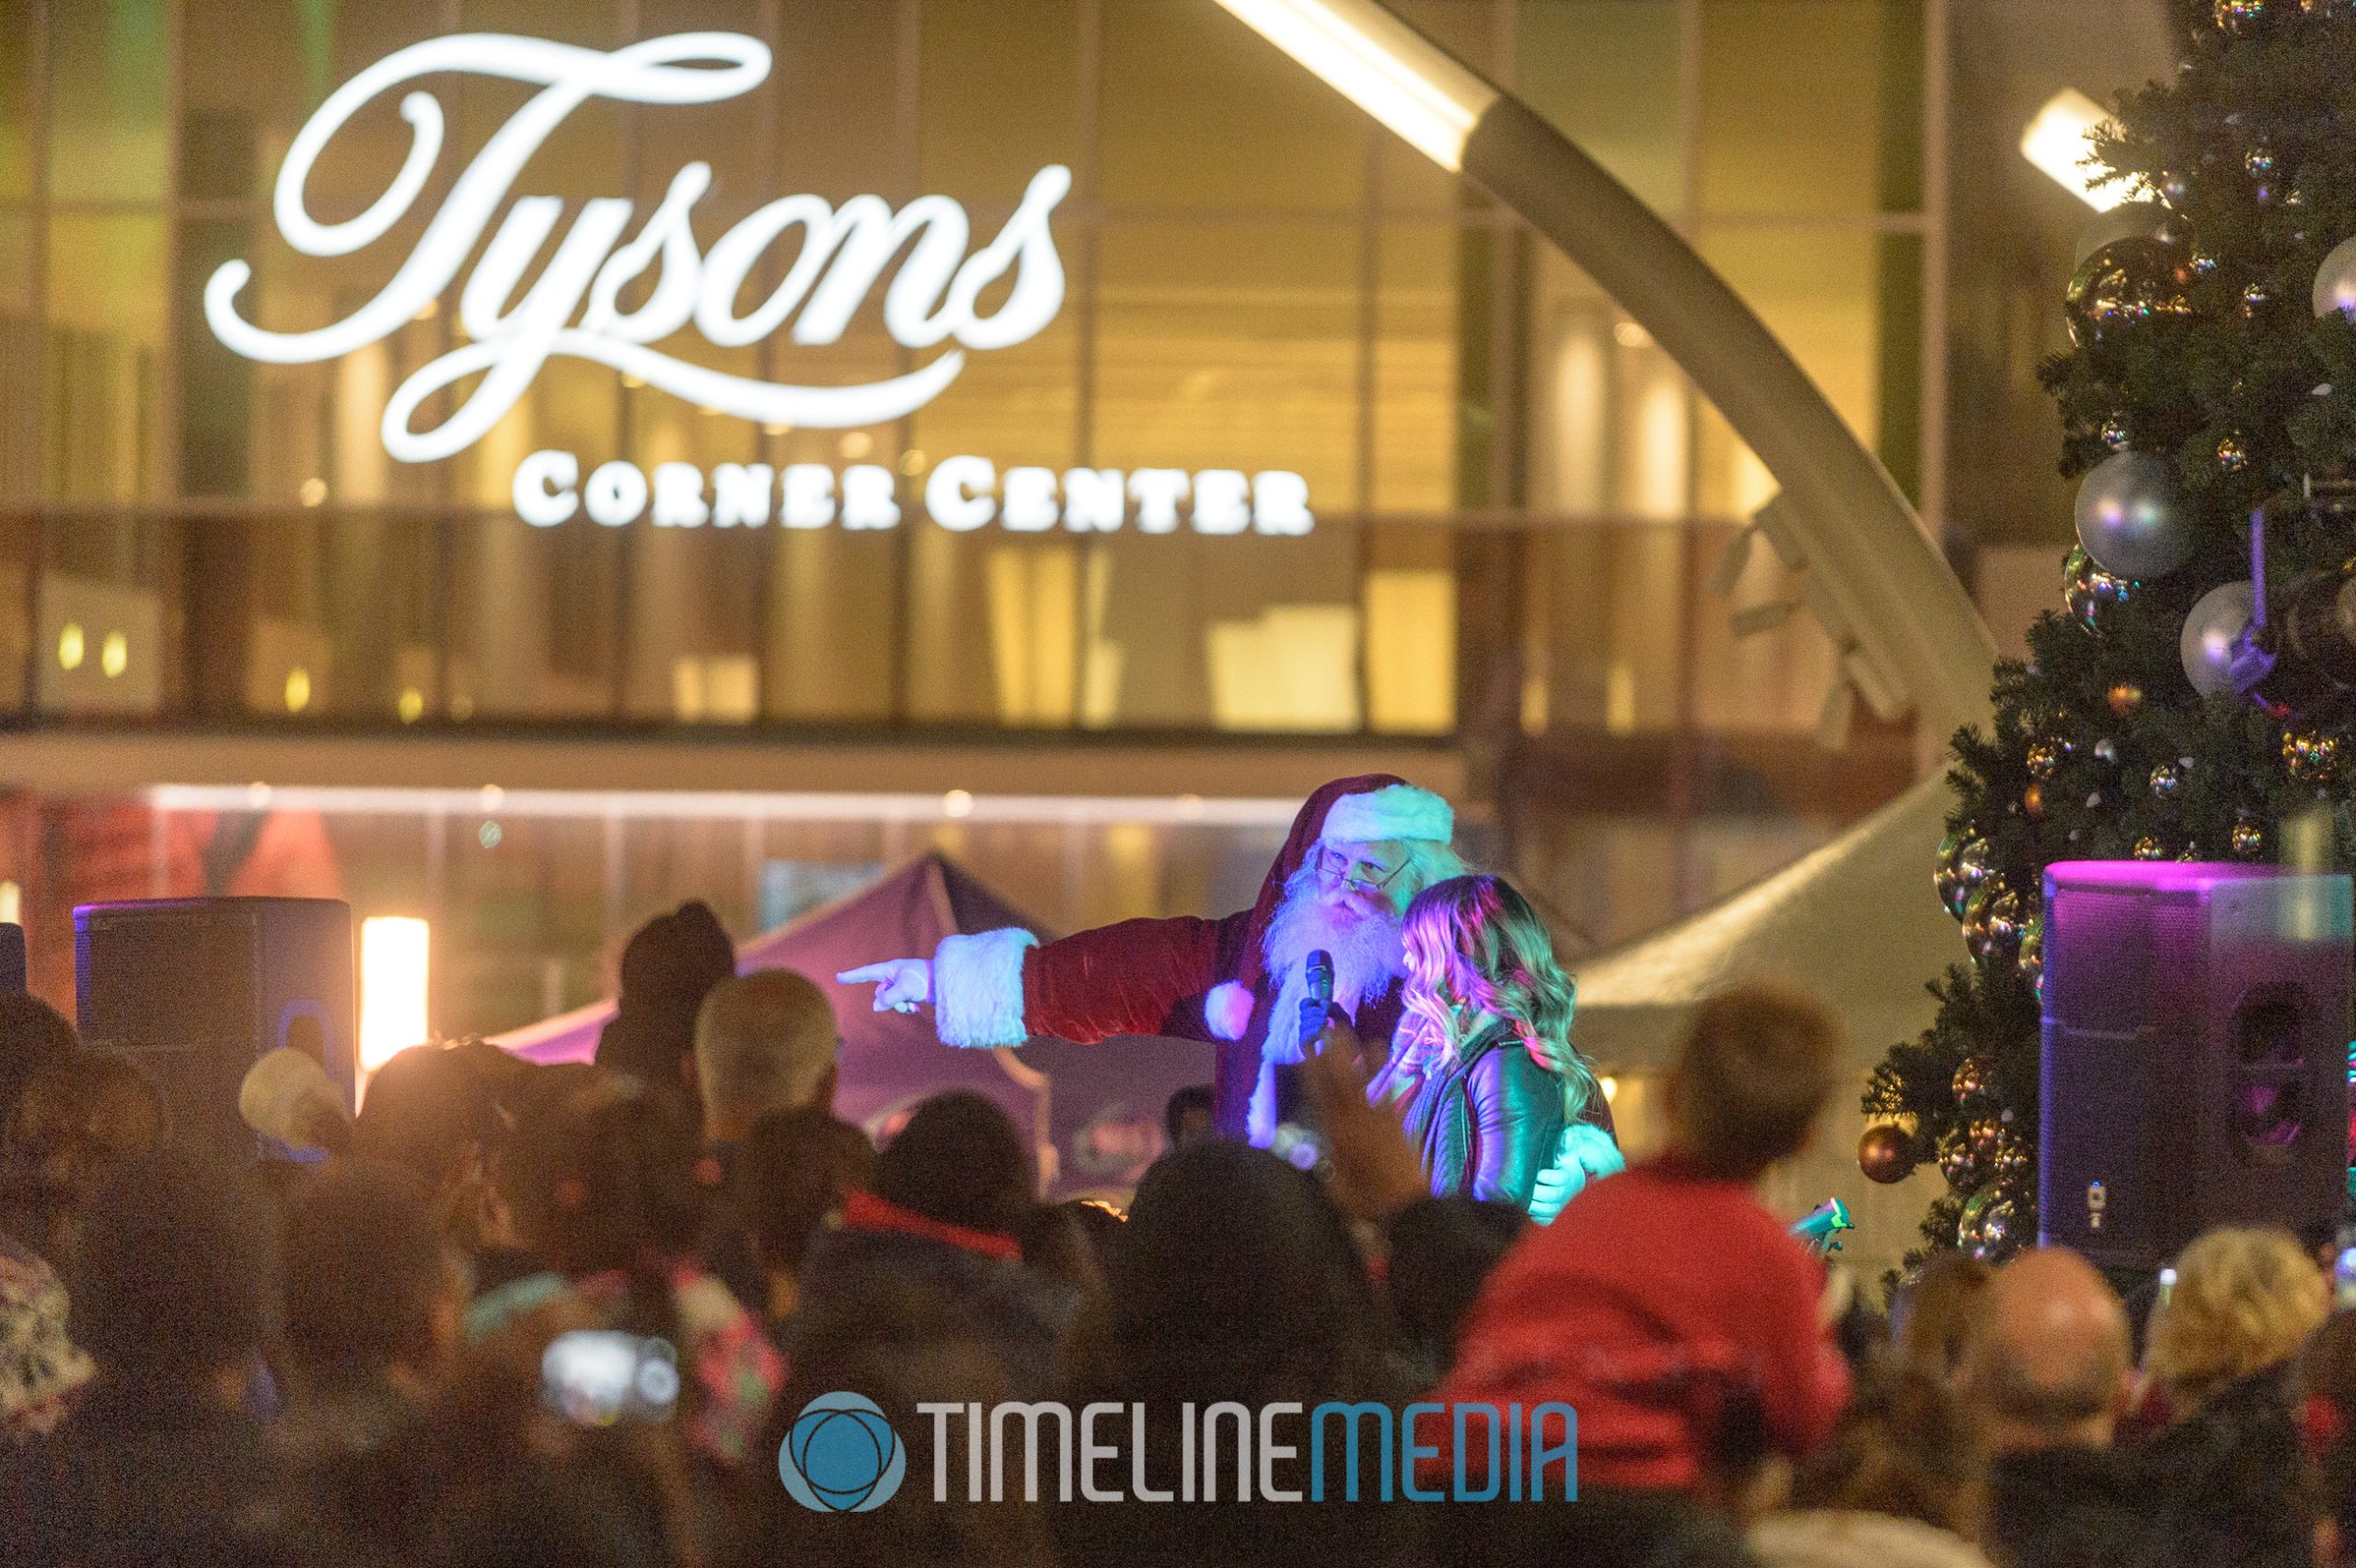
(2245, 1298)
(1475, 946)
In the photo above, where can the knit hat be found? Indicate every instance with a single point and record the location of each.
(671, 963)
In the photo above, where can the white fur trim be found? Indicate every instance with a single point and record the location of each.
(977, 987)
(1395, 811)
(1227, 1010)
(1591, 1149)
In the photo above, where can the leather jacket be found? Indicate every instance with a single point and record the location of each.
(1487, 1123)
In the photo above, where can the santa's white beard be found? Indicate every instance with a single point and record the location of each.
(1365, 942)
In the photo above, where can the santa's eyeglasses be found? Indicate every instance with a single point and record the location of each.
(1366, 875)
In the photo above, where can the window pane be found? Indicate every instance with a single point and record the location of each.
(833, 633)
(1605, 73)
(1231, 346)
(837, 91)
(1200, 113)
(1820, 291)
(732, 135)
(108, 93)
(344, 614)
(694, 605)
(254, 70)
(19, 562)
(19, 361)
(102, 363)
(1611, 425)
(533, 626)
(1416, 368)
(1410, 630)
(1013, 405)
(522, 921)
(1811, 105)
(1000, 97)
(19, 18)
(109, 589)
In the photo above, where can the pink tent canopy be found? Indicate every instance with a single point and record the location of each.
(1094, 1112)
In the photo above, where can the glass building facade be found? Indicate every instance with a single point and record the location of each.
(216, 580)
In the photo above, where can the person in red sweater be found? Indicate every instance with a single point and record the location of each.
(1667, 1305)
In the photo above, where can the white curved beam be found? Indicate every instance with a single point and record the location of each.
(1908, 632)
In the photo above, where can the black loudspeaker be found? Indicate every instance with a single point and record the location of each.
(2196, 1049)
(12, 958)
(195, 989)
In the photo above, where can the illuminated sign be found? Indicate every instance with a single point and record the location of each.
(961, 494)
(931, 300)
(573, 308)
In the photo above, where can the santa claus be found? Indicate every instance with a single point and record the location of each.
(1359, 852)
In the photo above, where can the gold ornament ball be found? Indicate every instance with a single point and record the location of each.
(2033, 803)
(2012, 1161)
(1987, 1136)
(1992, 1238)
(1967, 1220)
(2150, 848)
(1963, 865)
(2124, 284)
(1972, 1078)
(2235, 17)
(2044, 759)
(2031, 957)
(1885, 1154)
(1957, 1162)
(2233, 454)
(1992, 922)
(2249, 840)
(2311, 756)
(2088, 592)
(2127, 699)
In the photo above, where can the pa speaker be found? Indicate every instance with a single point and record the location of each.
(2195, 1053)
(194, 989)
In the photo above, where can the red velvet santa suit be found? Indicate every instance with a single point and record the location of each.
(1146, 976)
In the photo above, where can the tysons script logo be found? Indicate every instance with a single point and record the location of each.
(841, 1456)
(843, 254)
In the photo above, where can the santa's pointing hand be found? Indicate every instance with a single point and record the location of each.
(902, 985)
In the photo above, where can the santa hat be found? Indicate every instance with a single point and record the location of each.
(1395, 811)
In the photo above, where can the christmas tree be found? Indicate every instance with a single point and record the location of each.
(2210, 386)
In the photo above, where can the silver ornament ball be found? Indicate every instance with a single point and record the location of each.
(2130, 518)
(2335, 287)
(2206, 646)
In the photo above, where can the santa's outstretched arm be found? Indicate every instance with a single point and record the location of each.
(1001, 987)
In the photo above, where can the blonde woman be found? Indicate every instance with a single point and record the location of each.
(2223, 1346)
(2244, 1303)
(1484, 1070)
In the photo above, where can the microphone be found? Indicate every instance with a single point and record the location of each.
(1299, 1142)
(1317, 998)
